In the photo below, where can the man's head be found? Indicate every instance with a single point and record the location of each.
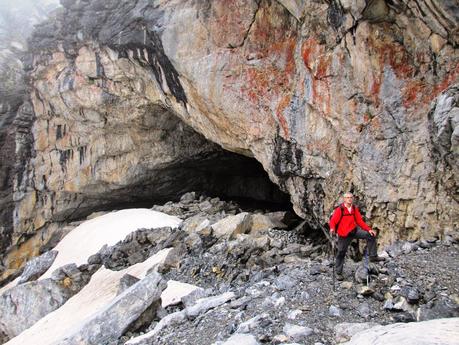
(348, 198)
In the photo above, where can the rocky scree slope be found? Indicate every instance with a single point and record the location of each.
(255, 282)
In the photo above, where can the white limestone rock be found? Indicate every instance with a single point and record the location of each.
(433, 332)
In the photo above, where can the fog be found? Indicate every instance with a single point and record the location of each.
(17, 18)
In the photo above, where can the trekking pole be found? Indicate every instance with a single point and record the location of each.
(367, 269)
(334, 259)
(331, 239)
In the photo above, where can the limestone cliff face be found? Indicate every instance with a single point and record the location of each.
(16, 23)
(328, 96)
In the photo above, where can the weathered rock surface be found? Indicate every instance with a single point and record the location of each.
(435, 332)
(127, 95)
(240, 339)
(23, 305)
(37, 266)
(344, 331)
(110, 323)
(16, 114)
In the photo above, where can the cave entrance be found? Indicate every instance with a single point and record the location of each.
(184, 161)
(222, 174)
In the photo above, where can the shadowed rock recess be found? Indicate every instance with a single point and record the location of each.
(130, 102)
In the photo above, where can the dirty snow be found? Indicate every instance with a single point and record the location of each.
(97, 294)
(88, 238)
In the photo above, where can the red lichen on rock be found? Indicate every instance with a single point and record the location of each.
(229, 21)
(395, 55)
(284, 102)
(411, 91)
(417, 93)
(309, 50)
(272, 80)
(318, 64)
(375, 89)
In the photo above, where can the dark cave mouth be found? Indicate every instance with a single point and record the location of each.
(226, 175)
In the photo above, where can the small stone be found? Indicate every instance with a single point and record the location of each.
(361, 274)
(279, 302)
(347, 285)
(188, 197)
(388, 305)
(437, 43)
(297, 332)
(251, 324)
(365, 290)
(400, 303)
(378, 296)
(408, 247)
(425, 244)
(413, 296)
(404, 317)
(293, 314)
(315, 270)
(334, 311)
(364, 310)
(280, 338)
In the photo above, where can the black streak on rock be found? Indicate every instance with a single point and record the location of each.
(335, 14)
(64, 156)
(82, 152)
(287, 158)
(59, 132)
(152, 54)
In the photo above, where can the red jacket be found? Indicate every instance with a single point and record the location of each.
(349, 221)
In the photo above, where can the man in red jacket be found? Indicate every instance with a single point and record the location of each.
(347, 222)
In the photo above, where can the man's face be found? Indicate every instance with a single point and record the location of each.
(348, 199)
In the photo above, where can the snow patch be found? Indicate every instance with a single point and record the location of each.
(89, 237)
(97, 294)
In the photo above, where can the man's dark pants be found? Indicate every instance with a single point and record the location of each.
(343, 243)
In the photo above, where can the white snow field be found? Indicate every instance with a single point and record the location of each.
(89, 237)
(76, 247)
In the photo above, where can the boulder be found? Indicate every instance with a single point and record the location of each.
(114, 319)
(233, 225)
(441, 307)
(241, 339)
(207, 303)
(434, 332)
(36, 267)
(176, 291)
(345, 330)
(261, 222)
(25, 304)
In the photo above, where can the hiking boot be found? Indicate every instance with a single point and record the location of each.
(377, 259)
(339, 277)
